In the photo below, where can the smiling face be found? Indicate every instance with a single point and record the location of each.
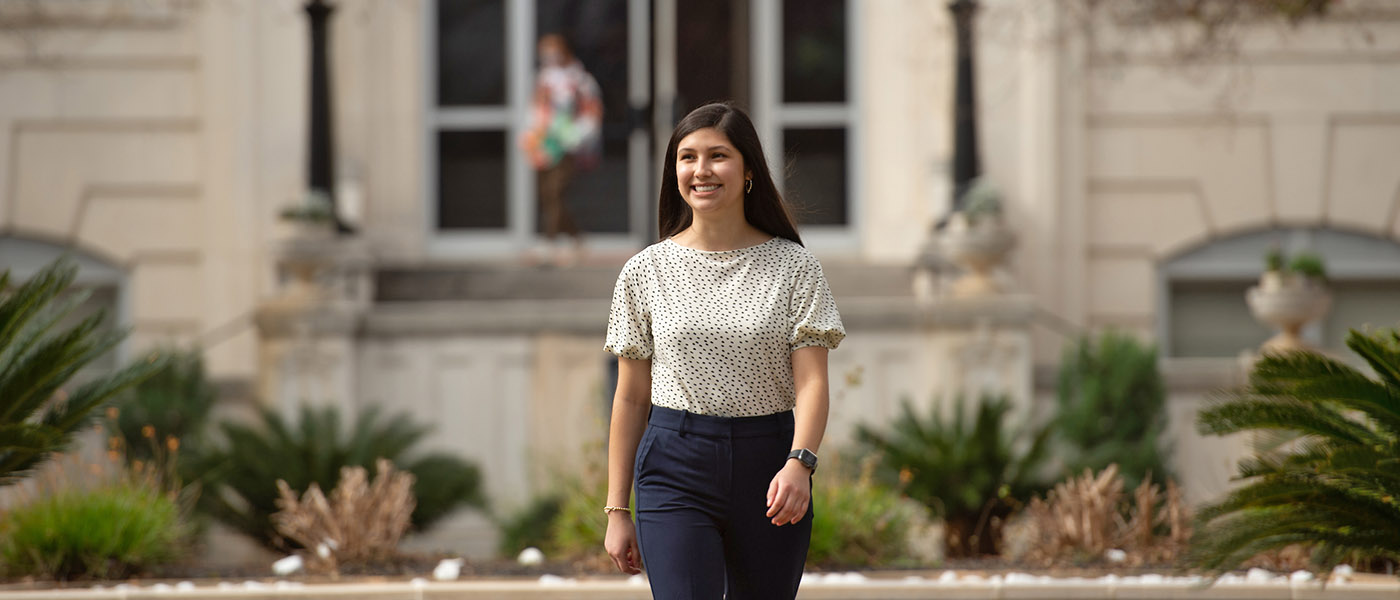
(710, 172)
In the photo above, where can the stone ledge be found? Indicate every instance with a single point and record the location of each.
(466, 282)
(589, 316)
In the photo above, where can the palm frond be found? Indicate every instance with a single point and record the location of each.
(1382, 355)
(38, 358)
(1337, 488)
(1307, 418)
(1310, 377)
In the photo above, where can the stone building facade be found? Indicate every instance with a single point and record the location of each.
(159, 140)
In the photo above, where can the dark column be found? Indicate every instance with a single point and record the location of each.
(965, 162)
(321, 149)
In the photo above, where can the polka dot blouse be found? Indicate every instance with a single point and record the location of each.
(719, 326)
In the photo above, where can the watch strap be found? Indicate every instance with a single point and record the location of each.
(805, 456)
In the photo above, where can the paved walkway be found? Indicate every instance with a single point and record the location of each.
(849, 586)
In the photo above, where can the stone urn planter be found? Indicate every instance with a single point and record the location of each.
(310, 230)
(978, 245)
(1287, 301)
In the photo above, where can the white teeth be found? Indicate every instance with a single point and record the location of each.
(706, 188)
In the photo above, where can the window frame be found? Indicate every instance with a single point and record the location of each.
(773, 116)
(770, 115)
(512, 118)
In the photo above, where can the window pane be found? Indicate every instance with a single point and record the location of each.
(101, 298)
(1211, 319)
(1360, 305)
(471, 179)
(596, 32)
(814, 51)
(816, 175)
(712, 54)
(471, 50)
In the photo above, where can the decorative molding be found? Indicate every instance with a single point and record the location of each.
(50, 15)
(1291, 58)
(183, 327)
(21, 127)
(1117, 251)
(178, 192)
(1093, 120)
(102, 63)
(192, 257)
(1155, 185)
(1103, 319)
(105, 125)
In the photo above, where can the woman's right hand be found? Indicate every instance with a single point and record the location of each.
(621, 543)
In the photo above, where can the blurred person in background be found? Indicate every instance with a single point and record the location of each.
(565, 135)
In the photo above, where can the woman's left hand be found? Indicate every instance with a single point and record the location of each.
(790, 493)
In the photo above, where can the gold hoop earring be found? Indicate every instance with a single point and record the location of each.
(748, 185)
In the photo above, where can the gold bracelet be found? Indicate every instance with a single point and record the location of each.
(610, 509)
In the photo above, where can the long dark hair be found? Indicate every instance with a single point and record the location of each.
(763, 207)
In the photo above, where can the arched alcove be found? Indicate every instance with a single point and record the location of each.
(1200, 296)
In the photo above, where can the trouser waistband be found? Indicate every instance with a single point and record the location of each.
(710, 425)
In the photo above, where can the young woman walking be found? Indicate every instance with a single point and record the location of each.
(722, 330)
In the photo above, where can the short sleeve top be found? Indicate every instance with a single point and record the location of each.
(720, 326)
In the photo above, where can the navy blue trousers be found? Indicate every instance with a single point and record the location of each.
(702, 488)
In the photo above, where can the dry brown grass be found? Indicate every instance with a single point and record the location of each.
(1084, 517)
(1283, 560)
(360, 524)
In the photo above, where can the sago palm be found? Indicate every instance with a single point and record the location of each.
(970, 470)
(1337, 488)
(40, 411)
(238, 477)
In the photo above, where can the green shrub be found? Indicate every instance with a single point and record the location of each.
(109, 532)
(1336, 487)
(858, 522)
(1308, 264)
(238, 479)
(1305, 263)
(532, 525)
(39, 357)
(970, 470)
(579, 530)
(1273, 259)
(1111, 409)
(567, 521)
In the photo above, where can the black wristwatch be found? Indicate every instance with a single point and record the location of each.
(804, 456)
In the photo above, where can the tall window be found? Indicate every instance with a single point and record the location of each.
(472, 146)
(481, 186)
(814, 109)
